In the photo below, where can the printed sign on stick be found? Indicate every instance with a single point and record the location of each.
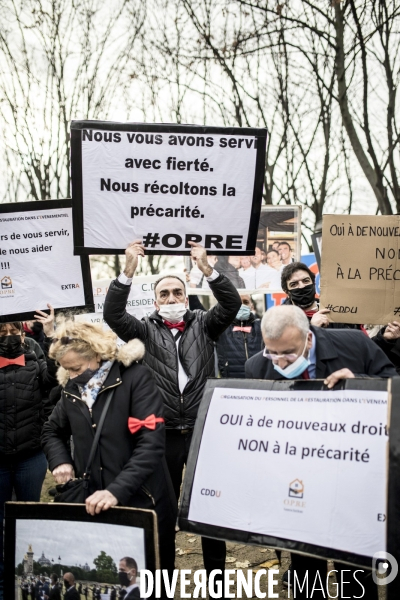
(166, 185)
(37, 262)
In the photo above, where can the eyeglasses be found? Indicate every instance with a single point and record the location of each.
(289, 357)
(65, 340)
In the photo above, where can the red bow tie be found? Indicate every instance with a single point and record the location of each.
(150, 422)
(180, 325)
(4, 362)
(245, 329)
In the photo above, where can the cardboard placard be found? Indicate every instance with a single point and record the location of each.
(360, 272)
(166, 185)
(291, 467)
(37, 262)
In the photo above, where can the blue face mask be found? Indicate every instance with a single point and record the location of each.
(243, 314)
(296, 368)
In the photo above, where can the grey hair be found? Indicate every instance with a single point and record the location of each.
(276, 319)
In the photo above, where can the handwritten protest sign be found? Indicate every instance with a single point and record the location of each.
(37, 263)
(360, 272)
(291, 467)
(166, 185)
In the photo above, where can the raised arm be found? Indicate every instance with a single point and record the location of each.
(126, 326)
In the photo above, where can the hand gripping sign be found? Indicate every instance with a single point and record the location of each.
(166, 185)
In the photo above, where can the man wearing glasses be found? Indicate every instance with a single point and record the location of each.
(294, 350)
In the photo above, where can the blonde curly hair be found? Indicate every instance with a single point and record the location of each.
(87, 339)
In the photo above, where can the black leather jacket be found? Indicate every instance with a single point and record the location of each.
(196, 346)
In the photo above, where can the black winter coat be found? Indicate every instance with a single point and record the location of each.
(335, 349)
(130, 466)
(24, 405)
(235, 347)
(196, 346)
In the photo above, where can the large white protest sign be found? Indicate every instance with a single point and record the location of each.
(166, 185)
(308, 466)
(37, 263)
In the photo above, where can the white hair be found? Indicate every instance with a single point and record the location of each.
(276, 319)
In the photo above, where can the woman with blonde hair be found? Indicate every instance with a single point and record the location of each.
(128, 464)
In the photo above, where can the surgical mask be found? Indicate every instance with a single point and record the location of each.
(67, 584)
(10, 346)
(303, 297)
(172, 312)
(244, 313)
(85, 377)
(124, 579)
(296, 368)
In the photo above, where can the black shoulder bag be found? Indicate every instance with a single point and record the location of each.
(75, 491)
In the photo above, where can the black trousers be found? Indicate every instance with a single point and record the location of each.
(348, 587)
(176, 453)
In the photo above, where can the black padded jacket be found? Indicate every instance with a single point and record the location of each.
(24, 405)
(196, 346)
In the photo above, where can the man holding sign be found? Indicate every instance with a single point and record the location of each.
(180, 353)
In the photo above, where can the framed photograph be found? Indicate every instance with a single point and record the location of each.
(42, 539)
(37, 262)
(289, 465)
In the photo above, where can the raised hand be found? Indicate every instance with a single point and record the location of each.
(199, 255)
(46, 320)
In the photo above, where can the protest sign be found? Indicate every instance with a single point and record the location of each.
(278, 244)
(166, 185)
(288, 465)
(35, 531)
(360, 272)
(37, 263)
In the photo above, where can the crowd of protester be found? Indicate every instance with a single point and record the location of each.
(56, 381)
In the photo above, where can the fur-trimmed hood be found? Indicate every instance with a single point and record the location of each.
(133, 351)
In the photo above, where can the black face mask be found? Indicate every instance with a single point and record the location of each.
(11, 346)
(303, 297)
(124, 579)
(84, 377)
(67, 584)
